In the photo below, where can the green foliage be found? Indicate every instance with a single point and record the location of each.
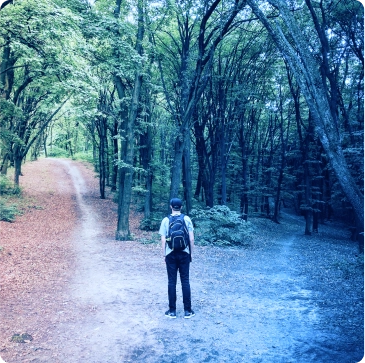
(155, 238)
(57, 152)
(8, 212)
(220, 226)
(6, 186)
(151, 224)
(84, 156)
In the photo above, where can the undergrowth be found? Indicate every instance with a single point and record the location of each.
(8, 210)
(220, 226)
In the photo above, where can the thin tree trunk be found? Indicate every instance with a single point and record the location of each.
(4, 163)
(187, 176)
(146, 158)
(113, 182)
(6, 71)
(308, 212)
(102, 157)
(17, 167)
(176, 169)
(283, 141)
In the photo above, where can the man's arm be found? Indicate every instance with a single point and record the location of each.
(163, 244)
(191, 238)
(163, 233)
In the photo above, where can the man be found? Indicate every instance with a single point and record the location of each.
(177, 259)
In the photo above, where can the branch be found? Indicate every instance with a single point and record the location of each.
(50, 118)
(3, 3)
(21, 88)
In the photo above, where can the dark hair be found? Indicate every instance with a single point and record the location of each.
(176, 203)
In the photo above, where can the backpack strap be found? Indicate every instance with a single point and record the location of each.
(187, 232)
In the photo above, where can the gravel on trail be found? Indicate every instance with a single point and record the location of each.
(70, 293)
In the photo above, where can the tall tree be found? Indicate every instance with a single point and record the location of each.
(205, 30)
(126, 171)
(315, 82)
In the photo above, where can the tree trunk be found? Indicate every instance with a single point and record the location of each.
(275, 217)
(283, 141)
(45, 145)
(200, 148)
(102, 161)
(6, 71)
(244, 197)
(223, 167)
(17, 168)
(126, 176)
(126, 180)
(187, 176)
(308, 211)
(4, 163)
(146, 158)
(176, 169)
(113, 182)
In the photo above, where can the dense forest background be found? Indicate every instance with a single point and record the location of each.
(250, 105)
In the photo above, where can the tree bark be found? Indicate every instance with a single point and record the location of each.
(18, 158)
(146, 158)
(6, 71)
(187, 176)
(283, 142)
(113, 181)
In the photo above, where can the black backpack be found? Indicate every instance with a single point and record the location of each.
(178, 236)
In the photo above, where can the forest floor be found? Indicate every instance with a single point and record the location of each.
(71, 293)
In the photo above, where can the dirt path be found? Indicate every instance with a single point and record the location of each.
(286, 298)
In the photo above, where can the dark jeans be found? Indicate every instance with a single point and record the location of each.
(178, 260)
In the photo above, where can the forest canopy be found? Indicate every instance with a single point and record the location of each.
(250, 105)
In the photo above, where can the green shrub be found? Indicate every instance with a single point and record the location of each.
(8, 212)
(151, 224)
(154, 238)
(84, 156)
(220, 226)
(6, 186)
(57, 152)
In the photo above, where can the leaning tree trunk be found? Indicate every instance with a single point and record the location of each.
(305, 68)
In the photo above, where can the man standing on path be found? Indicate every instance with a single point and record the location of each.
(177, 240)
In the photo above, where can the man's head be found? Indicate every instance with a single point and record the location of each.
(176, 204)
